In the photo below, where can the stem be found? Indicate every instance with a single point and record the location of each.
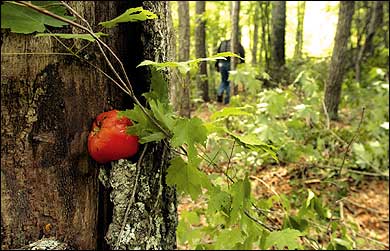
(350, 143)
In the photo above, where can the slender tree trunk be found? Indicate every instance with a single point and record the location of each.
(173, 90)
(299, 35)
(278, 38)
(234, 42)
(49, 185)
(255, 39)
(376, 19)
(184, 55)
(200, 49)
(268, 33)
(337, 65)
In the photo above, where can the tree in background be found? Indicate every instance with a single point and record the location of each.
(374, 24)
(338, 62)
(235, 40)
(184, 55)
(200, 49)
(278, 39)
(255, 39)
(301, 6)
(265, 46)
(49, 185)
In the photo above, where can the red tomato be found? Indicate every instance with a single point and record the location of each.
(108, 140)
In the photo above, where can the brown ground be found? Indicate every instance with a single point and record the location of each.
(366, 204)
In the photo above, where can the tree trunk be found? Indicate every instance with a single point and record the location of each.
(337, 65)
(184, 55)
(278, 38)
(299, 35)
(376, 19)
(49, 184)
(255, 40)
(200, 49)
(234, 42)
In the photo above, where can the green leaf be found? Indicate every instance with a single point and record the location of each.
(21, 19)
(157, 136)
(184, 67)
(130, 15)
(227, 239)
(163, 113)
(189, 131)
(252, 142)
(159, 87)
(142, 126)
(310, 196)
(187, 178)
(285, 238)
(219, 200)
(230, 111)
(88, 37)
(237, 192)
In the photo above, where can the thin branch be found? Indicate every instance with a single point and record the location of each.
(352, 139)
(258, 221)
(326, 115)
(36, 53)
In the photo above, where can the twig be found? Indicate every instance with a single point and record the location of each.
(326, 115)
(356, 171)
(132, 198)
(36, 53)
(258, 221)
(350, 143)
(230, 157)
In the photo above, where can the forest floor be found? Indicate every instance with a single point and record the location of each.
(366, 203)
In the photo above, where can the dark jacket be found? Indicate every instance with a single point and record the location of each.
(224, 46)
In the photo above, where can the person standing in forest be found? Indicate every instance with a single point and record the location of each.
(223, 66)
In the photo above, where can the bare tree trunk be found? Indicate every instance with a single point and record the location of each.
(278, 38)
(299, 35)
(368, 48)
(255, 40)
(184, 55)
(234, 42)
(49, 184)
(173, 90)
(200, 49)
(337, 64)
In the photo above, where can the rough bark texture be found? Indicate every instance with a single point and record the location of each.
(278, 38)
(49, 184)
(200, 49)
(299, 35)
(184, 55)
(235, 42)
(337, 65)
(152, 219)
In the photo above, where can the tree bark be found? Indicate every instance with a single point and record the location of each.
(299, 35)
(184, 55)
(49, 184)
(337, 65)
(234, 42)
(200, 49)
(255, 40)
(374, 24)
(278, 38)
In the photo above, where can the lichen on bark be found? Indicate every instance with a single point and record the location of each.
(151, 222)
